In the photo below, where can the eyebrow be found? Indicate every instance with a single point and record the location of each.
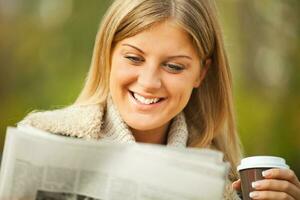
(170, 57)
(134, 48)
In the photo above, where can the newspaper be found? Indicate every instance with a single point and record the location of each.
(38, 165)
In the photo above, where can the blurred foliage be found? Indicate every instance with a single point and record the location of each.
(46, 48)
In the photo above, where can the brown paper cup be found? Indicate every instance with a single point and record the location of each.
(251, 169)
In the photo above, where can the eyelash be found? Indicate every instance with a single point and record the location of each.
(134, 59)
(173, 68)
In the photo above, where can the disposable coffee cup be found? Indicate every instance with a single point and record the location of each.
(251, 169)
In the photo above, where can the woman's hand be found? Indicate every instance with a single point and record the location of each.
(278, 184)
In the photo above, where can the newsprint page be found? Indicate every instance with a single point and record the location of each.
(37, 165)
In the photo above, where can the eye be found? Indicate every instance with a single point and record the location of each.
(173, 68)
(134, 59)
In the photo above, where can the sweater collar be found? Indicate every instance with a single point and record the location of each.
(114, 128)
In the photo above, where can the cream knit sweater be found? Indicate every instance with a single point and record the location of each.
(96, 122)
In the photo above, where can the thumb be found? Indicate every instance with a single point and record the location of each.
(237, 185)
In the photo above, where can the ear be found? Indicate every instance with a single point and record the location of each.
(203, 72)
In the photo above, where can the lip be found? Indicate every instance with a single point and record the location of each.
(147, 96)
(145, 107)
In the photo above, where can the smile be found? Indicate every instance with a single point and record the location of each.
(144, 100)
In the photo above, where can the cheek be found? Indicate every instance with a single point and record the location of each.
(180, 89)
(181, 85)
(121, 74)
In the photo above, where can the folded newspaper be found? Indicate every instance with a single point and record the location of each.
(38, 165)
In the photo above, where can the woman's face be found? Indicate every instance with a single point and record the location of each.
(152, 76)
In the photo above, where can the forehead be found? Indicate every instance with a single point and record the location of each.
(165, 36)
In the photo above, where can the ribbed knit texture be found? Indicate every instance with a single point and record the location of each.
(114, 128)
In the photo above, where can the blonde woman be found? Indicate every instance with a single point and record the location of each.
(159, 74)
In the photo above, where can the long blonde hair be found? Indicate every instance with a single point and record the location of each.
(209, 112)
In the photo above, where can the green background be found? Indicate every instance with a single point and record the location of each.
(46, 48)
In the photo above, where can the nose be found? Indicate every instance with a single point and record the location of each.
(149, 78)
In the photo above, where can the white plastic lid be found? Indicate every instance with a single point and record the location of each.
(262, 162)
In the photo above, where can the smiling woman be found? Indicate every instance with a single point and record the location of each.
(149, 83)
(159, 74)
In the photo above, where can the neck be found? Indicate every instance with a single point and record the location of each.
(154, 136)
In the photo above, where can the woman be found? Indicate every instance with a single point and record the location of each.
(159, 74)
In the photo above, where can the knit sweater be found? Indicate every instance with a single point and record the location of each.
(97, 122)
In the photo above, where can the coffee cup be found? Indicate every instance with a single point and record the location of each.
(251, 169)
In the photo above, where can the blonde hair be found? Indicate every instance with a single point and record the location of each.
(209, 112)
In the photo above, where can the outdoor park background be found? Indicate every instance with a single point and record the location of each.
(46, 48)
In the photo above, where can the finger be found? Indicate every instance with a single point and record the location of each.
(237, 185)
(277, 185)
(270, 195)
(284, 174)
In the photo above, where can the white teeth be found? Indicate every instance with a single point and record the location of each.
(145, 100)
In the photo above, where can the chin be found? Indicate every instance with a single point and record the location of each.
(143, 125)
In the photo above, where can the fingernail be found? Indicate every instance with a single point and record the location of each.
(266, 173)
(253, 194)
(255, 184)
